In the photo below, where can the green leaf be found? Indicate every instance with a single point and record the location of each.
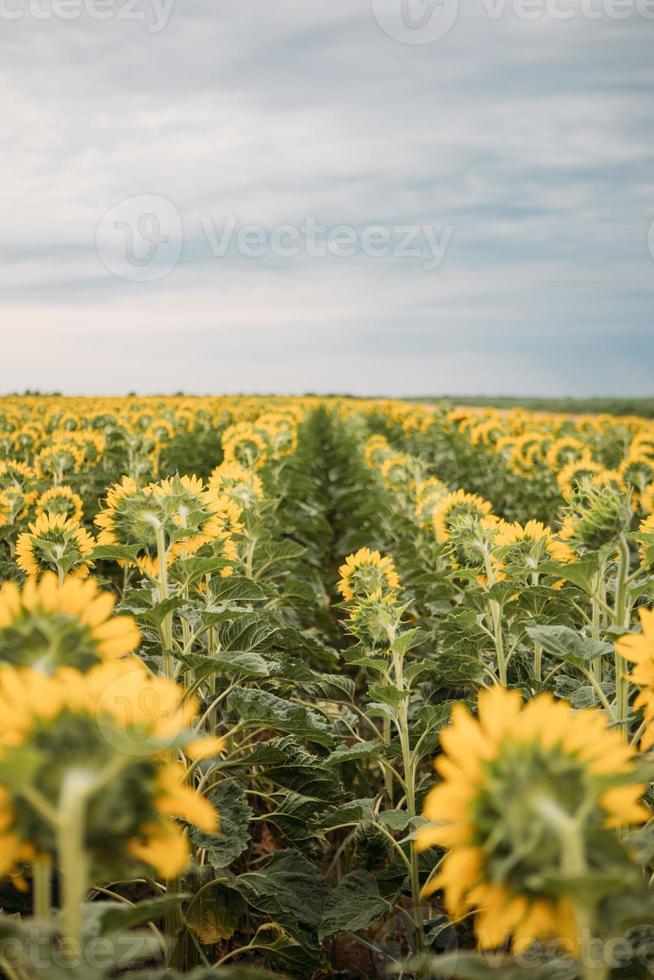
(115, 917)
(263, 708)
(353, 905)
(236, 588)
(230, 662)
(287, 764)
(233, 836)
(350, 753)
(281, 948)
(214, 912)
(454, 669)
(387, 694)
(397, 820)
(567, 644)
(115, 552)
(352, 812)
(289, 889)
(408, 640)
(580, 573)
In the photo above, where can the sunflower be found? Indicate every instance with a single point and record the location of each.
(112, 735)
(521, 547)
(13, 472)
(179, 511)
(524, 789)
(61, 501)
(564, 450)
(47, 625)
(59, 460)
(376, 450)
(239, 483)
(598, 512)
(647, 499)
(243, 443)
(429, 493)
(15, 504)
(398, 472)
(366, 573)
(637, 470)
(575, 470)
(639, 649)
(455, 505)
(54, 543)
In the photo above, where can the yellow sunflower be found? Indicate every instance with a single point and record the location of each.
(638, 648)
(47, 625)
(455, 505)
(429, 493)
(365, 573)
(112, 733)
(526, 793)
(54, 543)
(238, 482)
(61, 501)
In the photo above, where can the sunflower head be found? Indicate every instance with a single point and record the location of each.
(244, 443)
(239, 483)
(15, 473)
(564, 450)
(374, 619)
(398, 472)
(73, 734)
(376, 450)
(597, 513)
(526, 792)
(451, 508)
(637, 470)
(47, 625)
(521, 548)
(56, 544)
(575, 470)
(429, 493)
(15, 504)
(60, 501)
(367, 573)
(638, 648)
(179, 510)
(58, 460)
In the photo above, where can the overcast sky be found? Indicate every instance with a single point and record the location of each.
(444, 200)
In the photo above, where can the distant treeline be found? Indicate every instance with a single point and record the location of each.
(610, 406)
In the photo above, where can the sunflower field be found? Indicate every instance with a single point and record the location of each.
(324, 687)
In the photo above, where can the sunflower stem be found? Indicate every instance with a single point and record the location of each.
(621, 618)
(42, 887)
(167, 621)
(409, 768)
(73, 860)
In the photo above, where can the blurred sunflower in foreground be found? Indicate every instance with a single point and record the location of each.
(88, 771)
(48, 624)
(639, 649)
(529, 799)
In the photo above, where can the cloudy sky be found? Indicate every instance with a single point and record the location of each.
(374, 196)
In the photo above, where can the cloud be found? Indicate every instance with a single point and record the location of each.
(533, 140)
